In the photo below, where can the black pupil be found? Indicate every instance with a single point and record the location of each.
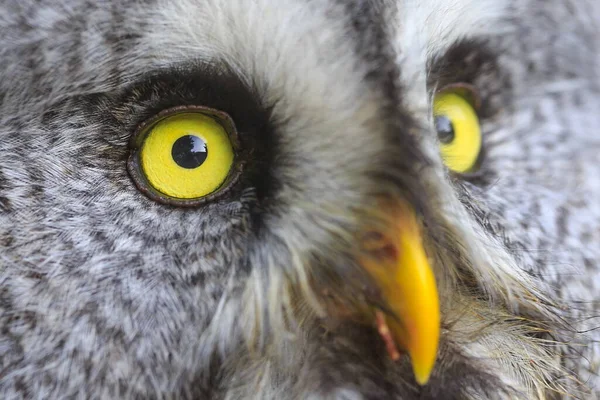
(444, 129)
(189, 151)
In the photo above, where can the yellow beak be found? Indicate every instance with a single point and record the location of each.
(397, 262)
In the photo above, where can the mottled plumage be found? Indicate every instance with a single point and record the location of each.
(105, 293)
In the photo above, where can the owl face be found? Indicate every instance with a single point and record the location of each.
(235, 199)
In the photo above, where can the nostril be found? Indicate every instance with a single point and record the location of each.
(377, 245)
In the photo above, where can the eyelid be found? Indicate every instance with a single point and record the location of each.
(139, 135)
(465, 90)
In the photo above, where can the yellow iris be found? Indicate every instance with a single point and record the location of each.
(459, 130)
(187, 155)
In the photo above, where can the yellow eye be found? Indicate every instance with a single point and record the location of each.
(185, 156)
(458, 130)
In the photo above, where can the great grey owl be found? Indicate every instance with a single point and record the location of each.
(299, 199)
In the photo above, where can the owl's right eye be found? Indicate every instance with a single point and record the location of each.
(184, 156)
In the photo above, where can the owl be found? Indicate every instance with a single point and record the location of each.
(292, 199)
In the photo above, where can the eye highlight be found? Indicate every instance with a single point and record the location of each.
(458, 129)
(183, 157)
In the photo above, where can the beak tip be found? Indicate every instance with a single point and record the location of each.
(422, 380)
(422, 375)
(423, 361)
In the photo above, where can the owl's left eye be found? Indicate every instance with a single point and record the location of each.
(458, 131)
(183, 156)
